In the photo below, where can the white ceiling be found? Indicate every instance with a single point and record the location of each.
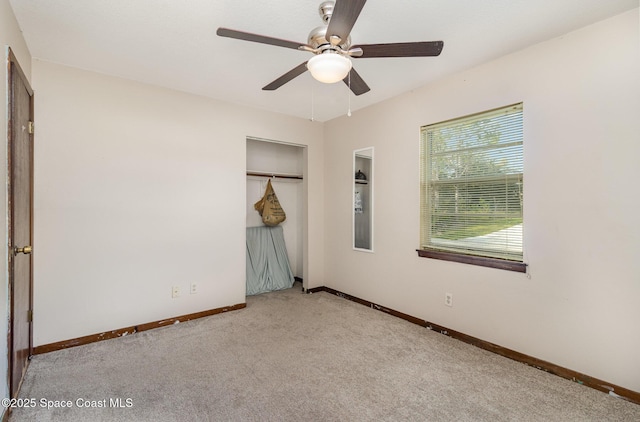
(172, 43)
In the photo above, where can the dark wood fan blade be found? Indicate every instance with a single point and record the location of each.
(293, 73)
(402, 49)
(344, 15)
(246, 36)
(358, 85)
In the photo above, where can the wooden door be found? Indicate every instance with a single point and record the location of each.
(20, 223)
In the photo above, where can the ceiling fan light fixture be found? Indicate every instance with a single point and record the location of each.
(329, 67)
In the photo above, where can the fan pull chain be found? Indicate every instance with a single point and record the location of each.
(312, 100)
(349, 96)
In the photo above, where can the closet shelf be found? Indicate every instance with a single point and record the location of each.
(274, 175)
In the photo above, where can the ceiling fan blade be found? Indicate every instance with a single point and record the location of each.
(402, 49)
(293, 73)
(358, 85)
(344, 15)
(246, 36)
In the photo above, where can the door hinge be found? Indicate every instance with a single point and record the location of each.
(30, 315)
(31, 128)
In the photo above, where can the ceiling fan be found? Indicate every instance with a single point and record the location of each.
(332, 49)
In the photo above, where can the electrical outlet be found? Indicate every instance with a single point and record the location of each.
(175, 291)
(194, 288)
(448, 299)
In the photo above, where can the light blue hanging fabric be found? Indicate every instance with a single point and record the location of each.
(268, 267)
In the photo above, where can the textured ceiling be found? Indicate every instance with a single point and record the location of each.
(172, 43)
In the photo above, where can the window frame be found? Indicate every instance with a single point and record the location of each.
(476, 257)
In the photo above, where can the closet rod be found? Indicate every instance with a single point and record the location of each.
(276, 175)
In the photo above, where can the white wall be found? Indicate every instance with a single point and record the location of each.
(138, 189)
(578, 306)
(10, 37)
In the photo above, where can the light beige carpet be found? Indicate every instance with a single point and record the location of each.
(290, 356)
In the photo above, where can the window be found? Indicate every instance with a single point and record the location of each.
(471, 186)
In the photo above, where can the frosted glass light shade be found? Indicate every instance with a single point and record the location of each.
(329, 67)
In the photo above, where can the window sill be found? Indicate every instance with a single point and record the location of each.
(502, 264)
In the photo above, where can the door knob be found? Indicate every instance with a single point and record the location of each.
(26, 250)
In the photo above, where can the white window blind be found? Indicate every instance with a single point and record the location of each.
(472, 184)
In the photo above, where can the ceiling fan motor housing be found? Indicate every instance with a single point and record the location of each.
(326, 10)
(317, 38)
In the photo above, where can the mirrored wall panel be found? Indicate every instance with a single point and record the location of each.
(362, 209)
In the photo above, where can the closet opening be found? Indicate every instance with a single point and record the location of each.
(284, 165)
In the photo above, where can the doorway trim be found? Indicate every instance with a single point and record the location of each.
(305, 198)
